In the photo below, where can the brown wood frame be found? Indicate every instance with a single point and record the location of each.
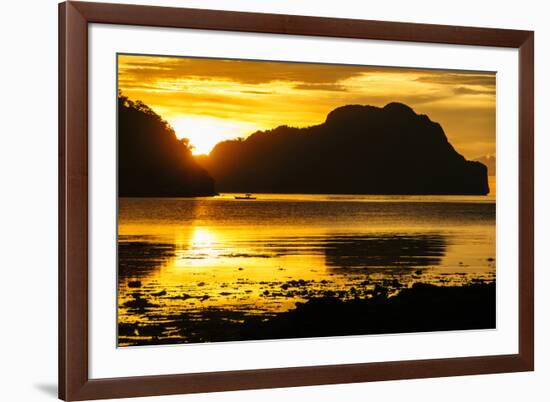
(74, 383)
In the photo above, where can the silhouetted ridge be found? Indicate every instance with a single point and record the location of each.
(345, 114)
(152, 161)
(359, 149)
(397, 107)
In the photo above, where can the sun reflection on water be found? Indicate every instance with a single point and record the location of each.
(199, 247)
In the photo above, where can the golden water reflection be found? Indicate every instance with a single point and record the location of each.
(193, 256)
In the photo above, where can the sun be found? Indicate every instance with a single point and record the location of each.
(205, 132)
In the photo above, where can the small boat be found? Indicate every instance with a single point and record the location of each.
(247, 196)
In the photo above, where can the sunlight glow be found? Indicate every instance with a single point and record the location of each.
(202, 248)
(202, 237)
(211, 100)
(205, 132)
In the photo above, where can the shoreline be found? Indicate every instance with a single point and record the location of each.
(420, 308)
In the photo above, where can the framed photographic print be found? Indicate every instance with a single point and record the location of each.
(257, 201)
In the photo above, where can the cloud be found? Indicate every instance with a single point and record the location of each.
(411, 99)
(481, 79)
(256, 92)
(320, 87)
(140, 68)
(473, 91)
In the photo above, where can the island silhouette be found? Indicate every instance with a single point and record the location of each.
(152, 161)
(359, 149)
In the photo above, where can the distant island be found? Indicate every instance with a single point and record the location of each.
(359, 149)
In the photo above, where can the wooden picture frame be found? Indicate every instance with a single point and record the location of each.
(74, 381)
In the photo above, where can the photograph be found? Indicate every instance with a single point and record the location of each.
(272, 201)
(262, 200)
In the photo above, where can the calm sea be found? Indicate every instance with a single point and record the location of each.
(260, 257)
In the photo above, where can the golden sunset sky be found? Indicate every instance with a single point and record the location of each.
(210, 100)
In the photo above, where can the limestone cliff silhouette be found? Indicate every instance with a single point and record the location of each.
(152, 161)
(357, 150)
(490, 161)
